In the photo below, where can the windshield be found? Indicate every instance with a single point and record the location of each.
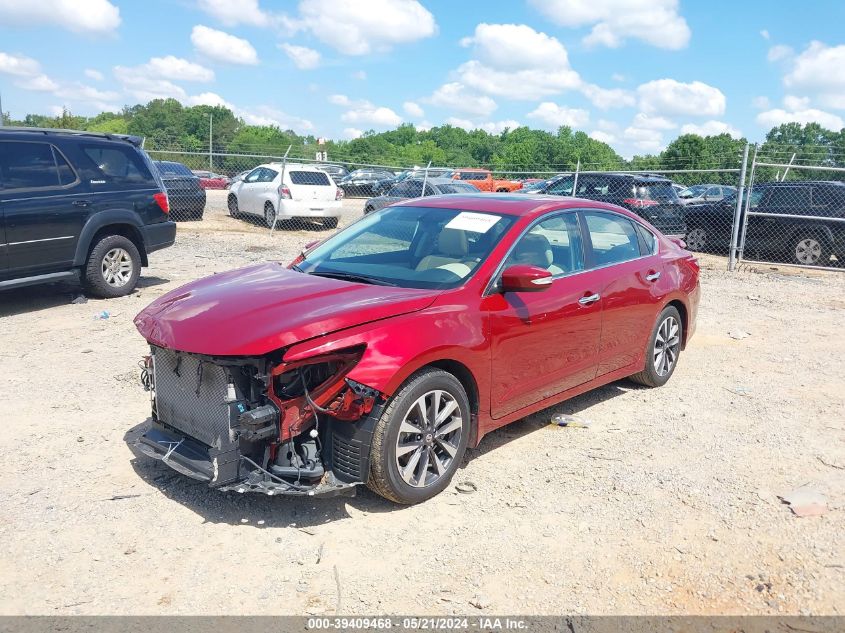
(410, 247)
(456, 187)
(656, 191)
(534, 186)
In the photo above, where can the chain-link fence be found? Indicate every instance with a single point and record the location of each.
(794, 211)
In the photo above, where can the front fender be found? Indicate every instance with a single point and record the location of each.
(102, 219)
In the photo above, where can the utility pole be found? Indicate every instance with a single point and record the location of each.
(210, 135)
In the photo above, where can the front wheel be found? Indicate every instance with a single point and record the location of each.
(664, 348)
(696, 239)
(330, 223)
(809, 249)
(420, 438)
(269, 214)
(232, 203)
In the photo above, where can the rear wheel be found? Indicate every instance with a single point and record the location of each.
(113, 268)
(269, 214)
(232, 203)
(501, 190)
(810, 249)
(420, 438)
(664, 348)
(330, 223)
(696, 239)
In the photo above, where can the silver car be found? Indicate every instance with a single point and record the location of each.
(699, 194)
(413, 188)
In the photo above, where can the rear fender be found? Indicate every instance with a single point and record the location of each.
(119, 218)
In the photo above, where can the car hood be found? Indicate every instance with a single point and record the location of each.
(258, 309)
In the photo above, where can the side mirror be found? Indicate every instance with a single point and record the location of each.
(525, 278)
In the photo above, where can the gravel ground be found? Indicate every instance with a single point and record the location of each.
(667, 504)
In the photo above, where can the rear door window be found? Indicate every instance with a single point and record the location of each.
(115, 164)
(312, 178)
(26, 165)
(614, 239)
(788, 197)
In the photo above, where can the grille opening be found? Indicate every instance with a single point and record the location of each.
(291, 384)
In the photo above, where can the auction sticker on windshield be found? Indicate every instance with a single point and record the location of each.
(475, 222)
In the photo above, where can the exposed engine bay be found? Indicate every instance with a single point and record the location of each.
(261, 424)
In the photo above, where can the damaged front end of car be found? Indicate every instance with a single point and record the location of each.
(261, 424)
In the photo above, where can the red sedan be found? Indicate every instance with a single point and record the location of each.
(210, 180)
(382, 353)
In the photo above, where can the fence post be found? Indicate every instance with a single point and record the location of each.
(747, 205)
(210, 135)
(735, 226)
(575, 180)
(425, 177)
(284, 165)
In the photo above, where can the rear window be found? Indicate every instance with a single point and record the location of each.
(173, 169)
(314, 178)
(116, 164)
(456, 187)
(473, 175)
(656, 191)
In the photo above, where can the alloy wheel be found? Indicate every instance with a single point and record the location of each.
(667, 344)
(428, 439)
(117, 267)
(696, 239)
(808, 251)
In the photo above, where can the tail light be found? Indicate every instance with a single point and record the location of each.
(338, 194)
(284, 192)
(640, 204)
(162, 201)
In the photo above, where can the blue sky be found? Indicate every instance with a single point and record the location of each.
(635, 73)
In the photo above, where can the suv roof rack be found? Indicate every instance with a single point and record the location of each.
(134, 140)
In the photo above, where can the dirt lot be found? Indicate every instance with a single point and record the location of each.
(667, 504)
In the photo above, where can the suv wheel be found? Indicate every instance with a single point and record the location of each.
(810, 249)
(696, 239)
(269, 213)
(420, 438)
(113, 267)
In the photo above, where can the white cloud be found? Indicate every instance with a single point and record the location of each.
(765, 34)
(210, 99)
(39, 83)
(644, 141)
(352, 132)
(341, 100)
(527, 84)
(82, 92)
(365, 26)
(618, 77)
(648, 122)
(302, 57)
(92, 16)
(668, 96)
(18, 65)
(778, 116)
(820, 71)
(606, 98)
(656, 22)
(491, 127)
(413, 109)
(364, 112)
(455, 97)
(223, 47)
(761, 103)
(793, 103)
(171, 67)
(144, 88)
(604, 137)
(710, 128)
(268, 115)
(553, 116)
(360, 75)
(96, 75)
(235, 12)
(778, 52)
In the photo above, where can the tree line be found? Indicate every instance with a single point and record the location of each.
(167, 125)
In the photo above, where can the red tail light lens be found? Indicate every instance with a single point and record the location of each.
(640, 204)
(161, 200)
(338, 194)
(284, 192)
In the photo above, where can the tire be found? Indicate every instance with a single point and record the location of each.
(232, 203)
(368, 210)
(396, 426)
(269, 214)
(330, 223)
(502, 190)
(809, 249)
(113, 267)
(655, 373)
(696, 239)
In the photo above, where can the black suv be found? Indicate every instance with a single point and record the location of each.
(801, 221)
(184, 192)
(649, 196)
(78, 204)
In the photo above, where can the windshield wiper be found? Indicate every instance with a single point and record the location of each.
(352, 277)
(295, 267)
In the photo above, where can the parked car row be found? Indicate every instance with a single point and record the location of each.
(417, 188)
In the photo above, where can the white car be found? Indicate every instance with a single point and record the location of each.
(306, 192)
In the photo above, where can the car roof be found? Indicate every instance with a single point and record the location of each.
(137, 141)
(802, 183)
(288, 166)
(511, 204)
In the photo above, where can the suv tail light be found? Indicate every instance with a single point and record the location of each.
(640, 204)
(162, 201)
(338, 194)
(284, 192)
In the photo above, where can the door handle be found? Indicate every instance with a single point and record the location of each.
(653, 276)
(585, 301)
(82, 203)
